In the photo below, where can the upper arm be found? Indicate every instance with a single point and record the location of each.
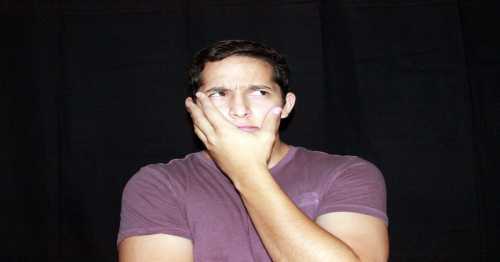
(366, 235)
(153, 222)
(155, 248)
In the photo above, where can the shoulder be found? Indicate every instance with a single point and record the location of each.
(340, 174)
(333, 163)
(153, 200)
(163, 176)
(339, 183)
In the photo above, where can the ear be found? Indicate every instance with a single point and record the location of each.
(289, 104)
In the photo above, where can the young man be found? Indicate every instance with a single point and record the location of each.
(249, 196)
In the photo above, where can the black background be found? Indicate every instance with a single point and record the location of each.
(92, 90)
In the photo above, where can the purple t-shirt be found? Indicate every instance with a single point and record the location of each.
(191, 198)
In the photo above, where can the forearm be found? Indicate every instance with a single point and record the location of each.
(287, 233)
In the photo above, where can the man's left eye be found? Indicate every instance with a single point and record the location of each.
(260, 92)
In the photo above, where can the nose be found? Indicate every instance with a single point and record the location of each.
(238, 106)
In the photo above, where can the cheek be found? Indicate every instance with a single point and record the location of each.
(261, 107)
(221, 105)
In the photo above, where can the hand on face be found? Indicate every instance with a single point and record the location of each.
(234, 150)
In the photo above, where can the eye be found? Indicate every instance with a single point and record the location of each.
(260, 92)
(217, 93)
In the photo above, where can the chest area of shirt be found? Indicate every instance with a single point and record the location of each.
(216, 202)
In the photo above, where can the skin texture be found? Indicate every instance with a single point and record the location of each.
(237, 116)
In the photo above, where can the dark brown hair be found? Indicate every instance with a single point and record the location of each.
(226, 48)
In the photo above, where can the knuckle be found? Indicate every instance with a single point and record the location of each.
(211, 143)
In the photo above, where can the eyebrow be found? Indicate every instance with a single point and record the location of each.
(216, 88)
(252, 87)
(257, 87)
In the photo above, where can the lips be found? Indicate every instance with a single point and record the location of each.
(248, 128)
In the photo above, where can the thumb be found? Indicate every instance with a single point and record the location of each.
(272, 121)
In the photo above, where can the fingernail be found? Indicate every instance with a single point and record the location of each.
(198, 94)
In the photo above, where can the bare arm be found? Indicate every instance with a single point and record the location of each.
(155, 248)
(289, 235)
(286, 232)
(366, 235)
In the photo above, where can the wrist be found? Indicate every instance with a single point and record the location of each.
(252, 178)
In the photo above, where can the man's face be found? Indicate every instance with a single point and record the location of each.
(242, 89)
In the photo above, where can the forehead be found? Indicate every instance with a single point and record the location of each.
(237, 70)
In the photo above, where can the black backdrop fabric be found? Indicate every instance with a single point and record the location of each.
(93, 90)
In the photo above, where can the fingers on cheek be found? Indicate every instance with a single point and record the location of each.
(207, 137)
(196, 115)
(206, 105)
(189, 103)
(200, 135)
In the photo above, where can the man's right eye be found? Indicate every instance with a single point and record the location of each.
(217, 93)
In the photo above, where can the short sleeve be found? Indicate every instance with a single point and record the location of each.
(359, 187)
(150, 205)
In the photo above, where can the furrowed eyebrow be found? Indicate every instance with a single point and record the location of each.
(224, 89)
(260, 87)
(216, 89)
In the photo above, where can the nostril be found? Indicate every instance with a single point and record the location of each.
(239, 113)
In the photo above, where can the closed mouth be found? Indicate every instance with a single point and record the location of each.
(248, 128)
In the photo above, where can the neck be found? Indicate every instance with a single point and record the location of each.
(280, 149)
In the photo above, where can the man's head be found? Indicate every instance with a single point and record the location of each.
(244, 80)
(224, 49)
